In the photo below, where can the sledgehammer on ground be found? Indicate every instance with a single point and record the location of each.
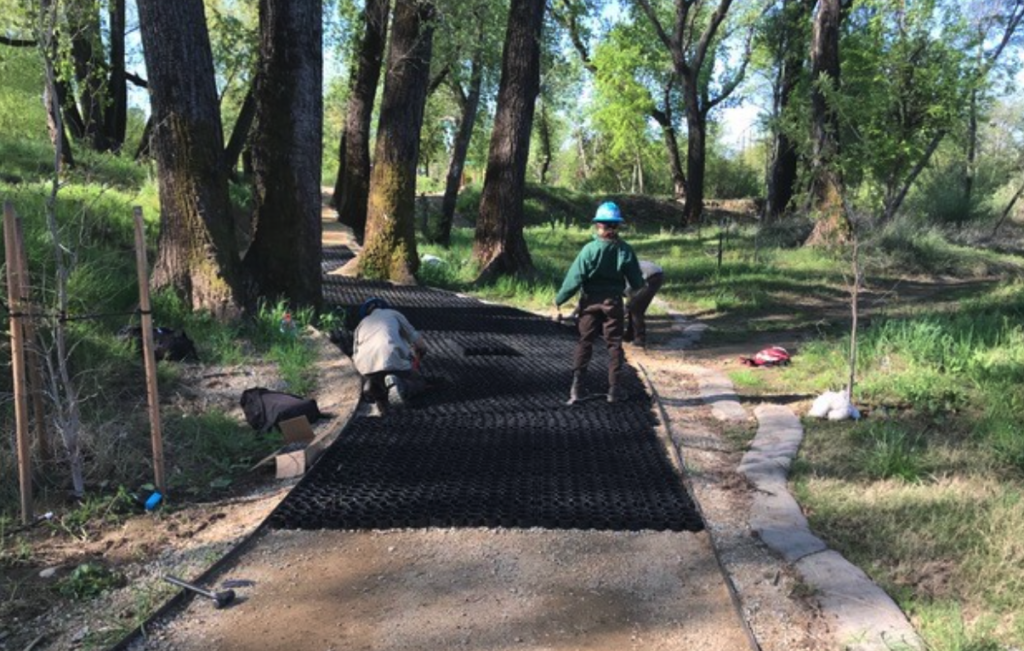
(220, 599)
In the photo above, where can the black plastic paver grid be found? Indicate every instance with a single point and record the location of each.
(496, 445)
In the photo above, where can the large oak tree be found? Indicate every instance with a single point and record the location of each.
(390, 248)
(789, 37)
(499, 246)
(352, 187)
(284, 257)
(197, 256)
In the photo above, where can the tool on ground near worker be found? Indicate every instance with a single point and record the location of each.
(221, 599)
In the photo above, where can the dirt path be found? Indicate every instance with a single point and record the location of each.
(469, 588)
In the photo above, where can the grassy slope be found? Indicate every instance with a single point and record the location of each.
(94, 208)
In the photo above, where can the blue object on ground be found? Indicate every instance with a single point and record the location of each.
(154, 500)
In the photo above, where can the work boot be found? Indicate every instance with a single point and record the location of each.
(615, 394)
(576, 392)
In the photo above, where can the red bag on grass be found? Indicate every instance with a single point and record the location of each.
(771, 356)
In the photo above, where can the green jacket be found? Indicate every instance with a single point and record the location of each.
(601, 270)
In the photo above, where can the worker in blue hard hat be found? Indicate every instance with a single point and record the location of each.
(600, 273)
(386, 351)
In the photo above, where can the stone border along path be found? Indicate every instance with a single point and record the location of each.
(860, 615)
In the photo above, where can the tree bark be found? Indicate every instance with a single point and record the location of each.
(116, 113)
(696, 163)
(545, 142)
(675, 163)
(51, 101)
(1006, 211)
(197, 254)
(284, 257)
(240, 133)
(826, 185)
(791, 54)
(469, 103)
(390, 249)
(499, 246)
(353, 183)
(145, 149)
(972, 152)
(90, 69)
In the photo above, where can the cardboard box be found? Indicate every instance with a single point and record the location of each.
(292, 459)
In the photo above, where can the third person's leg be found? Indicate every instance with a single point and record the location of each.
(638, 309)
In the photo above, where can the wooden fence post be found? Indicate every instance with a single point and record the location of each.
(148, 354)
(32, 360)
(18, 363)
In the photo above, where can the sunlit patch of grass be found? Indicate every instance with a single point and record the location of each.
(889, 451)
(946, 627)
(749, 379)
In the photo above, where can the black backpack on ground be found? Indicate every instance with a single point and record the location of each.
(169, 344)
(264, 408)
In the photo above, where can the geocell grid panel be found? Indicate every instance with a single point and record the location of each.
(496, 445)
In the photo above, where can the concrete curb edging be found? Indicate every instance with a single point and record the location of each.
(861, 615)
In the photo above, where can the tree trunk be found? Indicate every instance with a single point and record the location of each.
(240, 134)
(972, 153)
(583, 173)
(675, 164)
(696, 163)
(197, 254)
(284, 257)
(145, 149)
(58, 136)
(499, 246)
(782, 172)
(116, 114)
(86, 50)
(640, 171)
(353, 184)
(469, 105)
(545, 142)
(390, 249)
(826, 185)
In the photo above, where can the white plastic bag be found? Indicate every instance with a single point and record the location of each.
(833, 405)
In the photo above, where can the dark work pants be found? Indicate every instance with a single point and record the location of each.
(603, 317)
(636, 309)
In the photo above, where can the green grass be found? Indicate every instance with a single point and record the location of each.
(94, 216)
(927, 494)
(212, 450)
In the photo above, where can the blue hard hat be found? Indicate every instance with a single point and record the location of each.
(371, 304)
(608, 213)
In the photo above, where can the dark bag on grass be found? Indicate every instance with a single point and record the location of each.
(168, 343)
(264, 408)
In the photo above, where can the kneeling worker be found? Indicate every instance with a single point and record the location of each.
(385, 344)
